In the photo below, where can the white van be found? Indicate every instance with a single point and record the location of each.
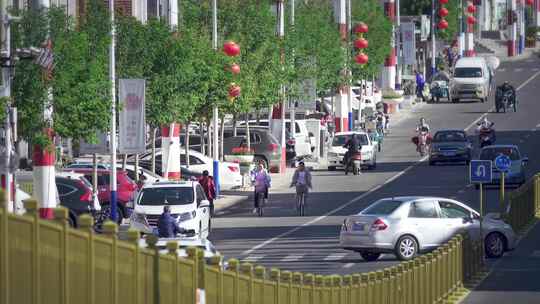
(472, 79)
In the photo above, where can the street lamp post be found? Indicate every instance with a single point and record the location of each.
(433, 42)
(112, 75)
(215, 144)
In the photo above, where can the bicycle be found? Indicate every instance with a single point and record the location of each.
(301, 199)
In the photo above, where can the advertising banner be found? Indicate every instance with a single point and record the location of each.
(132, 116)
(409, 43)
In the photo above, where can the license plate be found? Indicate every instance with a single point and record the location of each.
(358, 227)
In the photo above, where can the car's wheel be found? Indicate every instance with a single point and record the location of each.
(369, 256)
(494, 245)
(406, 248)
(106, 210)
(331, 168)
(455, 100)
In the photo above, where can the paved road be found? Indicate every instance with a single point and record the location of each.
(514, 278)
(310, 243)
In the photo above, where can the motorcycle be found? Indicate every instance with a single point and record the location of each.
(422, 142)
(504, 101)
(355, 161)
(486, 137)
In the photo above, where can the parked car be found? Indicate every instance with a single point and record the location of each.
(229, 172)
(336, 151)
(126, 188)
(184, 242)
(187, 201)
(472, 79)
(450, 146)
(406, 226)
(265, 146)
(74, 192)
(145, 176)
(303, 142)
(516, 174)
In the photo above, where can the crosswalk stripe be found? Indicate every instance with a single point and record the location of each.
(518, 69)
(348, 265)
(502, 70)
(292, 258)
(335, 257)
(535, 69)
(253, 258)
(536, 254)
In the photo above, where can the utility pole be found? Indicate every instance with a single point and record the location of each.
(112, 75)
(293, 103)
(461, 37)
(433, 42)
(398, 47)
(215, 118)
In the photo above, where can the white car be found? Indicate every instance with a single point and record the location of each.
(229, 173)
(183, 244)
(186, 199)
(336, 151)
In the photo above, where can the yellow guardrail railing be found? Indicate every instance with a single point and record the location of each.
(49, 262)
(524, 204)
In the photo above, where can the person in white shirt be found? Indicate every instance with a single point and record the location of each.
(302, 180)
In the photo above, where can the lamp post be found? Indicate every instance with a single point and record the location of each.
(433, 42)
(215, 110)
(112, 75)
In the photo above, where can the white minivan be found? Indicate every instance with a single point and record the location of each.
(472, 80)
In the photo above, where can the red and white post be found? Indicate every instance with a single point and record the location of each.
(277, 123)
(170, 151)
(469, 37)
(342, 109)
(512, 28)
(537, 12)
(43, 159)
(389, 71)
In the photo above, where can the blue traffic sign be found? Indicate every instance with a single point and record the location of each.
(480, 171)
(503, 163)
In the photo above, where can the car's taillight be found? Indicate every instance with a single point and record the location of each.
(379, 225)
(273, 147)
(87, 195)
(233, 168)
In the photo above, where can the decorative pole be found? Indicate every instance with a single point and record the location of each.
(512, 27)
(389, 71)
(112, 79)
(471, 9)
(215, 144)
(398, 47)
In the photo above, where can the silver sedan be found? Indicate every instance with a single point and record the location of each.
(407, 226)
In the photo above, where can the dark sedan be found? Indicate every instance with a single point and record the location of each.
(450, 146)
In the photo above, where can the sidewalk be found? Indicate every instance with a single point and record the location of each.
(514, 278)
(498, 48)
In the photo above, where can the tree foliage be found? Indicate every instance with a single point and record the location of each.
(423, 7)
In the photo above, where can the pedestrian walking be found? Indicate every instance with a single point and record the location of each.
(420, 82)
(209, 187)
(261, 181)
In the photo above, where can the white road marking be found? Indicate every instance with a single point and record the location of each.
(535, 69)
(538, 125)
(501, 70)
(335, 257)
(518, 69)
(292, 258)
(360, 197)
(461, 191)
(253, 258)
(348, 265)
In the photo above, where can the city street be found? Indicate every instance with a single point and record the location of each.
(310, 244)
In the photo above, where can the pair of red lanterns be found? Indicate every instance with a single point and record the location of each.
(231, 49)
(361, 43)
(443, 12)
(471, 9)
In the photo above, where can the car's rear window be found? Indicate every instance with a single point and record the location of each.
(492, 153)
(453, 136)
(382, 207)
(341, 140)
(166, 196)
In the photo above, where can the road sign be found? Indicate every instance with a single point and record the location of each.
(503, 163)
(480, 171)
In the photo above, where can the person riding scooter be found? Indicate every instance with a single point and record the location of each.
(486, 132)
(502, 91)
(353, 146)
(423, 136)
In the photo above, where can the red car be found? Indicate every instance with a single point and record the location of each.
(126, 188)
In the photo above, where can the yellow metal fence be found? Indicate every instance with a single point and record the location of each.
(48, 262)
(524, 204)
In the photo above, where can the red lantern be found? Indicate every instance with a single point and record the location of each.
(361, 58)
(361, 43)
(234, 90)
(471, 9)
(231, 48)
(471, 20)
(530, 2)
(443, 12)
(443, 2)
(443, 24)
(235, 69)
(361, 28)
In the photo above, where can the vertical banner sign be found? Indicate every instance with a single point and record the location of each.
(132, 116)
(409, 43)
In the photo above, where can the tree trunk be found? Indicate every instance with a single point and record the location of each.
(154, 131)
(201, 133)
(248, 139)
(187, 144)
(222, 136)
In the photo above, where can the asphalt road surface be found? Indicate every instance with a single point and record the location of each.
(310, 243)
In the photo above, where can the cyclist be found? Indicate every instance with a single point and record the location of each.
(302, 180)
(261, 180)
